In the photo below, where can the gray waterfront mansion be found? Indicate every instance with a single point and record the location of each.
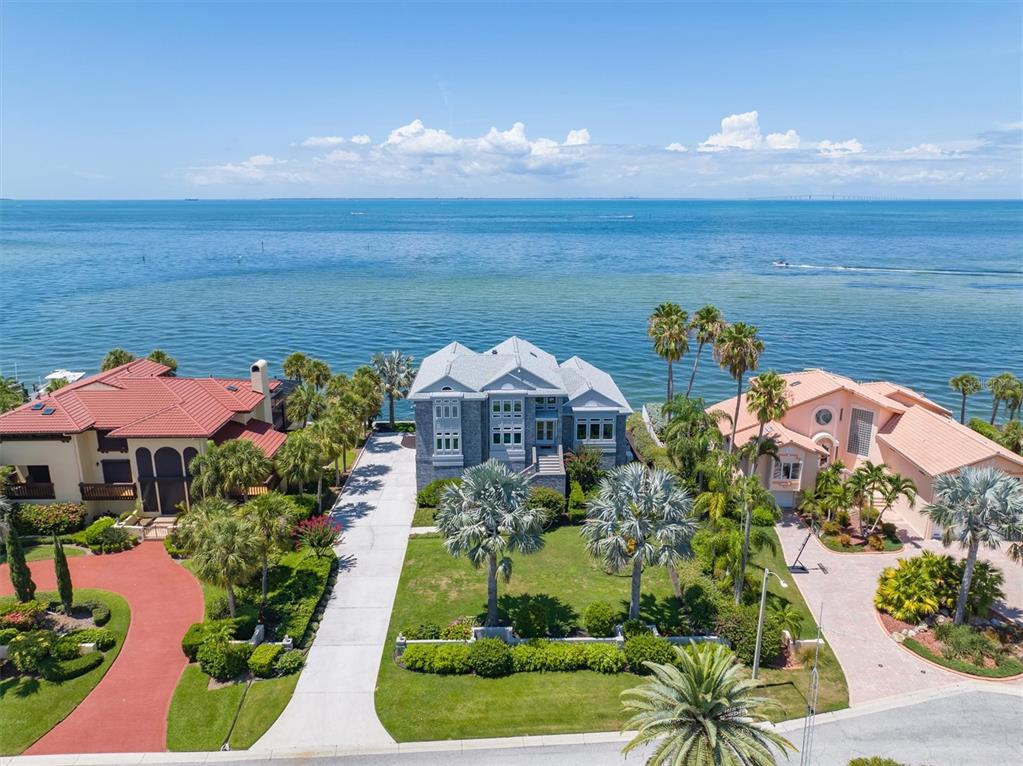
(515, 403)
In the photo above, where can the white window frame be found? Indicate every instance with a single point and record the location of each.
(783, 469)
(507, 422)
(603, 424)
(447, 427)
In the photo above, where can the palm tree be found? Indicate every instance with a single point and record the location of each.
(115, 358)
(328, 442)
(206, 470)
(895, 486)
(738, 350)
(707, 324)
(162, 357)
(396, 372)
(751, 494)
(294, 366)
(487, 517)
(243, 465)
(701, 712)
(348, 429)
(55, 385)
(12, 393)
(271, 515)
(966, 385)
(768, 400)
(1013, 399)
(1001, 387)
(866, 481)
(787, 617)
(225, 545)
(717, 498)
(367, 390)
(1012, 436)
(304, 403)
(638, 518)
(977, 506)
(316, 372)
(668, 328)
(298, 459)
(691, 433)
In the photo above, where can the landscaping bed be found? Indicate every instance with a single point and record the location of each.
(32, 703)
(988, 651)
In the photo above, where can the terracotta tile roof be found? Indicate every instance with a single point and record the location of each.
(261, 434)
(138, 399)
(780, 434)
(939, 444)
(904, 395)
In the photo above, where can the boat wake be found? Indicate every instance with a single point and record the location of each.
(893, 270)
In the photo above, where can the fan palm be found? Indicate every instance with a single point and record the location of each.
(965, 385)
(639, 517)
(298, 459)
(1001, 387)
(738, 349)
(1013, 399)
(206, 472)
(225, 546)
(304, 403)
(977, 506)
(396, 372)
(271, 515)
(668, 328)
(707, 324)
(895, 486)
(768, 400)
(294, 366)
(327, 436)
(242, 465)
(367, 391)
(1012, 436)
(701, 712)
(115, 358)
(317, 373)
(162, 357)
(486, 517)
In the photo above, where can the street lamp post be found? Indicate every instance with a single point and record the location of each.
(760, 622)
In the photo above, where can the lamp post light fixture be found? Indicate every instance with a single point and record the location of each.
(760, 622)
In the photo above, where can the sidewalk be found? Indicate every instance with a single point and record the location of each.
(333, 705)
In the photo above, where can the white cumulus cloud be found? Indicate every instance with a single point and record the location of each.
(579, 137)
(787, 140)
(839, 148)
(675, 146)
(742, 131)
(315, 142)
(360, 139)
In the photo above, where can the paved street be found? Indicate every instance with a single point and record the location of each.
(333, 702)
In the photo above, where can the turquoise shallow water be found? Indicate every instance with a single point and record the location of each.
(910, 291)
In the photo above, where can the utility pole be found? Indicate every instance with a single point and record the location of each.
(811, 699)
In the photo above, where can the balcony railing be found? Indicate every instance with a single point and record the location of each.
(125, 491)
(31, 490)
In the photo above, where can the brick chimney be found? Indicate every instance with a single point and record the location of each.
(261, 385)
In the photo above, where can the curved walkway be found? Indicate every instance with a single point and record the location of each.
(127, 711)
(874, 665)
(333, 704)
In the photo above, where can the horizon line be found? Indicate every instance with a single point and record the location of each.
(463, 198)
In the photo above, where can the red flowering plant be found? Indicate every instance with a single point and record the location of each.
(319, 534)
(22, 615)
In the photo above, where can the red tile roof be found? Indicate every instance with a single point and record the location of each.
(138, 399)
(259, 433)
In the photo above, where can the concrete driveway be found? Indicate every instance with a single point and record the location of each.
(875, 666)
(333, 702)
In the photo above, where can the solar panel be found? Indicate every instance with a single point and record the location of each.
(232, 388)
(49, 410)
(37, 406)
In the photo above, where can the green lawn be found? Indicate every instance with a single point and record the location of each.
(31, 707)
(436, 588)
(424, 516)
(44, 551)
(264, 702)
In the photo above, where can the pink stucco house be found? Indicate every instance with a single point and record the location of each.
(833, 417)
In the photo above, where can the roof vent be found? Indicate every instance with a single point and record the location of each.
(49, 410)
(232, 388)
(493, 351)
(795, 383)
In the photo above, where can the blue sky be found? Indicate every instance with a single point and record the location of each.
(495, 99)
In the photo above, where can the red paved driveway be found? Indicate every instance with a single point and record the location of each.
(127, 711)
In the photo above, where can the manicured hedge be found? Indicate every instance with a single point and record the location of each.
(431, 495)
(51, 519)
(65, 670)
(261, 663)
(491, 657)
(643, 444)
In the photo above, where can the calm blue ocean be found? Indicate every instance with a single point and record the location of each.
(910, 291)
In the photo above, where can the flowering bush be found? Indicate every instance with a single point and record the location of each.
(52, 519)
(22, 615)
(319, 534)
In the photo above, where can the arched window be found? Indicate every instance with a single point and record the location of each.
(147, 482)
(170, 479)
(189, 454)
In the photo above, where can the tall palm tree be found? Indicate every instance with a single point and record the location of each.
(965, 385)
(701, 712)
(396, 372)
(668, 328)
(1001, 387)
(115, 358)
(1013, 399)
(12, 393)
(271, 515)
(294, 366)
(243, 465)
(206, 472)
(866, 481)
(299, 459)
(707, 324)
(317, 372)
(487, 517)
(368, 394)
(691, 433)
(895, 486)
(348, 428)
(162, 357)
(738, 350)
(304, 403)
(718, 497)
(328, 440)
(1012, 436)
(639, 518)
(977, 506)
(225, 546)
(768, 400)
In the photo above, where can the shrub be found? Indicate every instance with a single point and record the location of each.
(424, 632)
(451, 659)
(6, 634)
(420, 657)
(738, 625)
(874, 760)
(962, 642)
(576, 504)
(647, 647)
(217, 608)
(174, 546)
(646, 449)
(985, 587)
(986, 429)
(831, 528)
(198, 632)
(65, 670)
(550, 502)
(262, 659)
(583, 466)
(289, 662)
(431, 495)
(100, 614)
(528, 657)
(537, 616)
(907, 591)
(29, 650)
(319, 534)
(65, 648)
(890, 531)
(90, 536)
(763, 517)
(490, 658)
(599, 619)
(548, 656)
(221, 659)
(845, 540)
(604, 658)
(632, 628)
(875, 543)
(699, 597)
(112, 540)
(459, 630)
(843, 518)
(103, 638)
(52, 519)
(22, 615)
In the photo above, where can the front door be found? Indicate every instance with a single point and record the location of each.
(546, 432)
